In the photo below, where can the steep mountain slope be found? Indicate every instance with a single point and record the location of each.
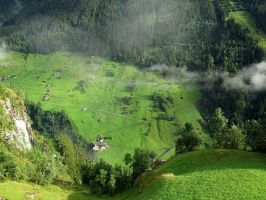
(139, 31)
(143, 32)
(245, 19)
(118, 101)
(258, 9)
(249, 14)
(15, 125)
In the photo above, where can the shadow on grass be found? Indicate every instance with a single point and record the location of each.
(80, 196)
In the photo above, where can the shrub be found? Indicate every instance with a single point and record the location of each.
(141, 162)
(7, 165)
(106, 179)
(256, 135)
(188, 141)
(161, 101)
(234, 138)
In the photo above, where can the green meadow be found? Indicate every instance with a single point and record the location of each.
(17, 191)
(105, 97)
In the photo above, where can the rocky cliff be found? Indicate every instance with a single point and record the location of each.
(15, 126)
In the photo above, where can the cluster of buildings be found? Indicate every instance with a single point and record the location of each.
(100, 144)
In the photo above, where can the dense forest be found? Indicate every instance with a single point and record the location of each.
(144, 32)
(241, 107)
(123, 30)
(258, 7)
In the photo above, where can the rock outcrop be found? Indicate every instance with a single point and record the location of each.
(15, 124)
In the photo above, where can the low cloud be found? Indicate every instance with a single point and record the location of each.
(251, 78)
(173, 74)
(3, 51)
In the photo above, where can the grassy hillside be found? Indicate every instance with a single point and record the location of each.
(245, 19)
(209, 174)
(18, 191)
(206, 174)
(116, 99)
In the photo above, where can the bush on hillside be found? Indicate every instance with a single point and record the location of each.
(74, 157)
(106, 179)
(162, 100)
(188, 141)
(34, 166)
(217, 126)
(7, 165)
(224, 135)
(256, 135)
(234, 138)
(141, 162)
